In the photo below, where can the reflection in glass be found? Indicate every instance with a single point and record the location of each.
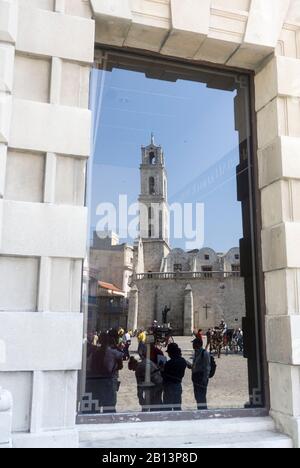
(169, 300)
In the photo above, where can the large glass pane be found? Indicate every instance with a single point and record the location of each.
(169, 280)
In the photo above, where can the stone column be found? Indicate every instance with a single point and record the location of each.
(278, 114)
(133, 309)
(6, 405)
(188, 326)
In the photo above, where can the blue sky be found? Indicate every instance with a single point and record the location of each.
(194, 125)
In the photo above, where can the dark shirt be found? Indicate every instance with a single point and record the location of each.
(174, 371)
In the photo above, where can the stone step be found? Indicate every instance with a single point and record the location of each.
(212, 433)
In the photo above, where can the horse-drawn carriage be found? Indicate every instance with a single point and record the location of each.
(163, 336)
(229, 341)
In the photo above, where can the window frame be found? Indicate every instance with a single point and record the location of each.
(154, 59)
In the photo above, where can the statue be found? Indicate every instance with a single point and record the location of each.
(165, 314)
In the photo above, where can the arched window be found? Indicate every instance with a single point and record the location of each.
(152, 186)
(152, 158)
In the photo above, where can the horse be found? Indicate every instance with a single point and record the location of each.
(216, 341)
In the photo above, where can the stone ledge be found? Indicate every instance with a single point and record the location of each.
(56, 439)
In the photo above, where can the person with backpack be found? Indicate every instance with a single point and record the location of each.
(202, 369)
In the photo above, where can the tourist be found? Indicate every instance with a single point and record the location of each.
(105, 362)
(173, 374)
(156, 354)
(149, 383)
(201, 368)
(142, 337)
(127, 344)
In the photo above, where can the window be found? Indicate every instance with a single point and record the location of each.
(236, 269)
(207, 270)
(151, 186)
(152, 158)
(203, 177)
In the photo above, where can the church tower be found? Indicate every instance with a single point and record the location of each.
(154, 209)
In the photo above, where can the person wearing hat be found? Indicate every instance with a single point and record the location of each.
(200, 373)
(173, 375)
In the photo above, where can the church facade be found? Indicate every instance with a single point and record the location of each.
(200, 287)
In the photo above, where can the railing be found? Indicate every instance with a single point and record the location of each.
(184, 275)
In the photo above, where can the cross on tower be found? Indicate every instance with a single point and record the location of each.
(206, 307)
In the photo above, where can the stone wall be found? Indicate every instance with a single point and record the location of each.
(46, 51)
(226, 300)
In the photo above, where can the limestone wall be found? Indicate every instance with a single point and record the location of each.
(46, 51)
(226, 300)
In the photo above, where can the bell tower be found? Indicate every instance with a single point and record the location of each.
(154, 209)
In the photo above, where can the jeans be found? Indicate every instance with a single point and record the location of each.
(173, 396)
(200, 391)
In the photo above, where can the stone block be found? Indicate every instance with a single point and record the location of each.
(266, 19)
(32, 78)
(274, 248)
(27, 333)
(65, 286)
(279, 160)
(21, 271)
(25, 174)
(280, 246)
(50, 128)
(113, 20)
(5, 117)
(282, 292)
(6, 404)
(189, 27)
(19, 385)
(3, 157)
(8, 21)
(283, 340)
(6, 67)
(285, 389)
(36, 230)
(276, 203)
(45, 33)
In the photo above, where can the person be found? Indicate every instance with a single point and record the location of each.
(142, 337)
(223, 327)
(200, 373)
(104, 363)
(155, 352)
(95, 339)
(149, 392)
(165, 315)
(173, 374)
(127, 344)
(198, 334)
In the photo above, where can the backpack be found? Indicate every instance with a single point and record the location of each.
(213, 365)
